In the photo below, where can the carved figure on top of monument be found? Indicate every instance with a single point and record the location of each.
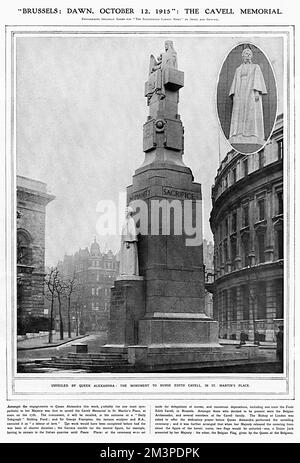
(129, 254)
(167, 59)
(247, 98)
(157, 66)
(247, 88)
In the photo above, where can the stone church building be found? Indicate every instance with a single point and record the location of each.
(32, 199)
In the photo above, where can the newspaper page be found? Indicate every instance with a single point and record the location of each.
(148, 222)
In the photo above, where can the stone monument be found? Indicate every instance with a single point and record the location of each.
(158, 316)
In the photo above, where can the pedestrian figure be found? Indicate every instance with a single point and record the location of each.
(243, 338)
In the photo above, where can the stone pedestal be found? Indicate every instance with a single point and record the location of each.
(185, 357)
(178, 328)
(127, 308)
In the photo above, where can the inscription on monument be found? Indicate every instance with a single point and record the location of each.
(174, 135)
(143, 194)
(148, 136)
(168, 192)
(178, 194)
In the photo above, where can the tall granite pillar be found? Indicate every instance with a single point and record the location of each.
(172, 269)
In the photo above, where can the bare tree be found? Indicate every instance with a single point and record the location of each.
(60, 289)
(50, 281)
(70, 287)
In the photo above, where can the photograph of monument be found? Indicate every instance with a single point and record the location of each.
(144, 280)
(252, 115)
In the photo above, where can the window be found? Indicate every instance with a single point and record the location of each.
(221, 255)
(279, 239)
(261, 300)
(245, 215)
(261, 247)
(226, 226)
(280, 149)
(233, 253)
(261, 209)
(234, 303)
(279, 203)
(225, 251)
(261, 159)
(245, 166)
(225, 306)
(245, 301)
(226, 182)
(234, 175)
(93, 291)
(233, 222)
(245, 251)
(279, 297)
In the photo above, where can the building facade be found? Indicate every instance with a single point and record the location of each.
(247, 224)
(32, 199)
(95, 273)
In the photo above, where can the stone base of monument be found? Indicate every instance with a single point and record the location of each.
(178, 328)
(127, 308)
(164, 341)
(183, 357)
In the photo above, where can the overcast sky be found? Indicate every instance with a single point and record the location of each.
(80, 112)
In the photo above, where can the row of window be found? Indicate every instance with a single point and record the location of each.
(100, 291)
(95, 306)
(231, 177)
(229, 224)
(222, 255)
(251, 297)
(98, 263)
(102, 277)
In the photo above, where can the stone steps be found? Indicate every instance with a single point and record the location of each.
(101, 356)
(76, 362)
(79, 366)
(100, 361)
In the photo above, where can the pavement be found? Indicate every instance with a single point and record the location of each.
(46, 350)
(41, 342)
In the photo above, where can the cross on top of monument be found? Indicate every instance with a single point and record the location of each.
(163, 131)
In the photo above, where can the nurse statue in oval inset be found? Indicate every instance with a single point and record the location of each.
(247, 88)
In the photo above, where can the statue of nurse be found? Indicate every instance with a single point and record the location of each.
(248, 86)
(129, 254)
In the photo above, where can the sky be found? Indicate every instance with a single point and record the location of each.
(80, 110)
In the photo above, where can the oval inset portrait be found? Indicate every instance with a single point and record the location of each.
(247, 98)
